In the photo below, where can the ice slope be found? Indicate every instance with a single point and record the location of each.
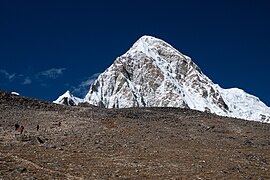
(154, 74)
(244, 105)
(68, 99)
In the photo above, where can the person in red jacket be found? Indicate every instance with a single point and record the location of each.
(21, 129)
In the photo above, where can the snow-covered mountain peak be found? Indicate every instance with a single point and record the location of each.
(68, 99)
(152, 73)
(152, 47)
(151, 41)
(15, 93)
(67, 94)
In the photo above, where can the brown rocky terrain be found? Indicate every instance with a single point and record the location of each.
(137, 143)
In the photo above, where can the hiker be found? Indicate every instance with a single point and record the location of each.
(17, 126)
(37, 127)
(21, 129)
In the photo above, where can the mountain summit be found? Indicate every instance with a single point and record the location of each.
(152, 73)
(68, 99)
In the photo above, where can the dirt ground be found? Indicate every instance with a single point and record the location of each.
(136, 143)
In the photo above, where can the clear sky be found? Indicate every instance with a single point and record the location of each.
(50, 46)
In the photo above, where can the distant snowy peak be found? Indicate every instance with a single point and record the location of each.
(15, 93)
(68, 99)
(152, 73)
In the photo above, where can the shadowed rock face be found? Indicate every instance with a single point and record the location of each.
(68, 102)
(87, 142)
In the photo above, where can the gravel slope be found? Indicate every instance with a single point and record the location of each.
(135, 143)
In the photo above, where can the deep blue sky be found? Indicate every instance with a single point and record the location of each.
(47, 47)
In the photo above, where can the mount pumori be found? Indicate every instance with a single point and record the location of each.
(152, 73)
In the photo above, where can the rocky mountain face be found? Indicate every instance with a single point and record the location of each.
(154, 74)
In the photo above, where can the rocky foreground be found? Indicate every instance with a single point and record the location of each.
(137, 143)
